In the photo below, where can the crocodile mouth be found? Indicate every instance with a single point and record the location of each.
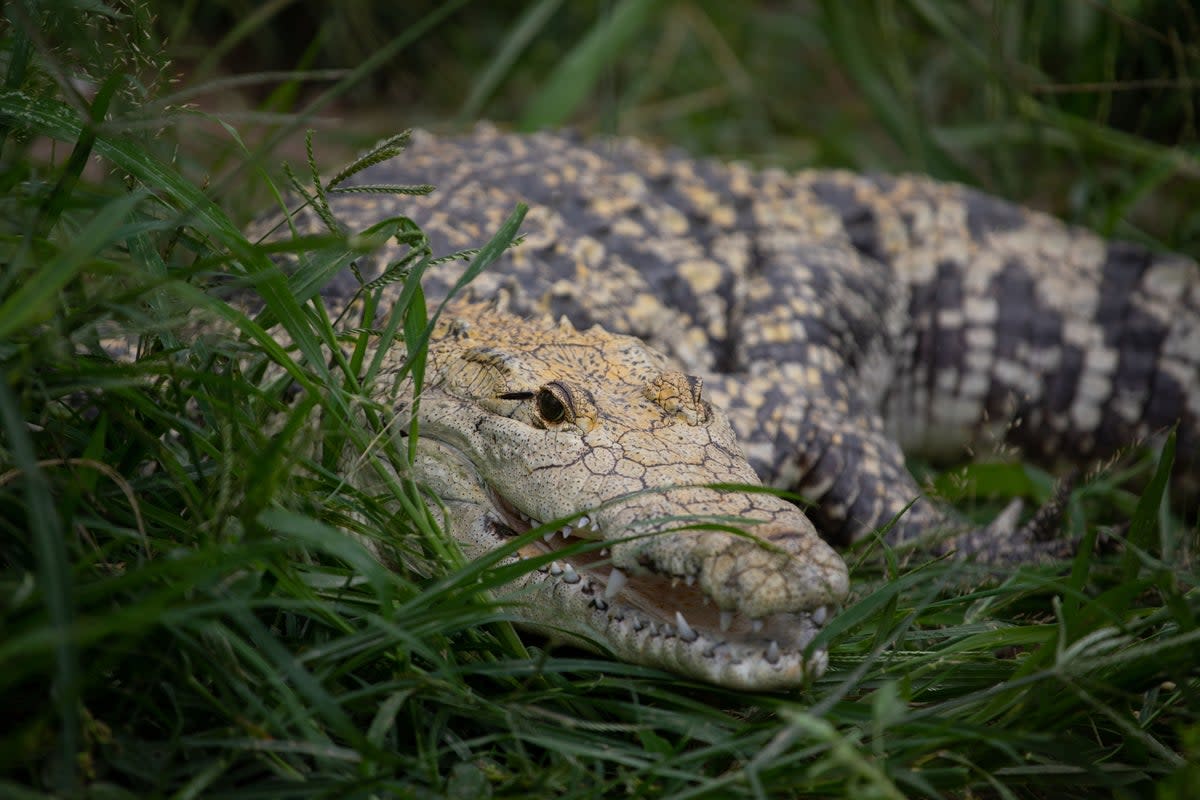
(657, 604)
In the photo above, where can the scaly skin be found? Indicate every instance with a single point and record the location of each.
(841, 321)
(528, 422)
(838, 320)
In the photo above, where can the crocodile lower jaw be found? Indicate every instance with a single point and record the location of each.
(665, 620)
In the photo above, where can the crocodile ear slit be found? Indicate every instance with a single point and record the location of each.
(680, 395)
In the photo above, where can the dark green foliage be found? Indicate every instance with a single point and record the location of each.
(182, 610)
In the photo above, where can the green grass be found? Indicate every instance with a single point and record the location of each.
(187, 607)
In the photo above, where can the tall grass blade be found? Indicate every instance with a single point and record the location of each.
(579, 71)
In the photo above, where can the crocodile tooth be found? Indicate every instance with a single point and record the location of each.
(726, 620)
(689, 580)
(566, 531)
(773, 652)
(548, 536)
(570, 575)
(756, 625)
(556, 568)
(584, 522)
(819, 616)
(685, 631)
(603, 552)
(600, 604)
(616, 582)
(638, 624)
(720, 650)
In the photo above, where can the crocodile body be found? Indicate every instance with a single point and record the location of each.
(838, 320)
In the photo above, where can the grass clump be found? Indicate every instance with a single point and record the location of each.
(187, 607)
(1087, 109)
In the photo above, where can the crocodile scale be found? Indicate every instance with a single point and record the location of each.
(839, 320)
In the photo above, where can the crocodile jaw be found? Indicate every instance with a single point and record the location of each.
(670, 623)
(668, 578)
(633, 632)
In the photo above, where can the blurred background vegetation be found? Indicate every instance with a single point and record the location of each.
(1082, 107)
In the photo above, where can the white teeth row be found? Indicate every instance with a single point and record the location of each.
(581, 524)
(616, 582)
(685, 632)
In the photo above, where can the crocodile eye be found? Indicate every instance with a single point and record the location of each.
(549, 406)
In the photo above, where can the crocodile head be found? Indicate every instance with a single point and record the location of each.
(524, 423)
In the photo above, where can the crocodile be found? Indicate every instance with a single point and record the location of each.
(671, 332)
